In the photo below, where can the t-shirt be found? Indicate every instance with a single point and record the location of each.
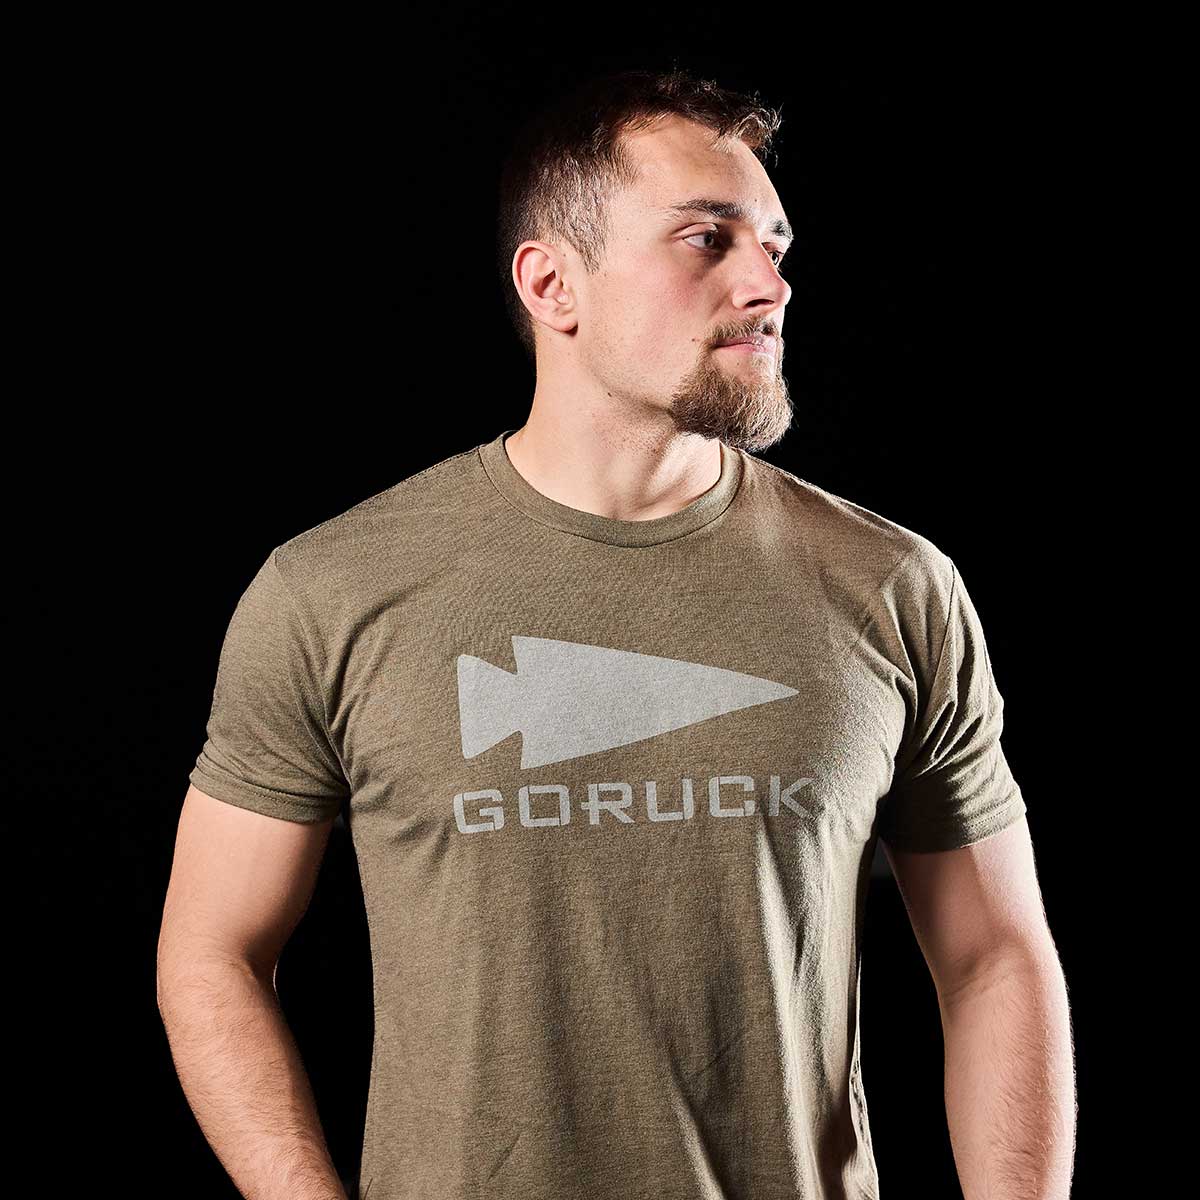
(614, 788)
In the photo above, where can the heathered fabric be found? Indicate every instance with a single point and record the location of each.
(614, 789)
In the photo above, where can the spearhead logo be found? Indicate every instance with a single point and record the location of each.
(568, 699)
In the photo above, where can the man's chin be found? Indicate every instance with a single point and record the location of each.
(750, 419)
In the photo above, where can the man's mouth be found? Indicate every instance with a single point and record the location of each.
(756, 343)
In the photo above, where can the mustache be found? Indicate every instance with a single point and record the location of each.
(761, 331)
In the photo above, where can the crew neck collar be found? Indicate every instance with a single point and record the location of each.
(515, 488)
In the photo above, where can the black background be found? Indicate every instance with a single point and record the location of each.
(273, 250)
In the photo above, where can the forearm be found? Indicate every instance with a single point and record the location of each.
(1010, 1082)
(242, 1074)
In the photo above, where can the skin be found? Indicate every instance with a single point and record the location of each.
(632, 395)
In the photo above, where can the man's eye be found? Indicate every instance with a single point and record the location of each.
(712, 233)
(779, 254)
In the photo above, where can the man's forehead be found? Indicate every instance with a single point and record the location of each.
(681, 175)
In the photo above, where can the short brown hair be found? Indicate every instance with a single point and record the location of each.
(568, 160)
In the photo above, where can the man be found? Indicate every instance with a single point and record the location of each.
(617, 712)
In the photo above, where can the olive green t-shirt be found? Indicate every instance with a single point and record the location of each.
(614, 788)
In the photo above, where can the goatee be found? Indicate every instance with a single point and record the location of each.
(750, 409)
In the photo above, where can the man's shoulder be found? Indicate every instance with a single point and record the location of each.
(396, 518)
(838, 530)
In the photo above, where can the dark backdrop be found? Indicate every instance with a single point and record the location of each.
(283, 286)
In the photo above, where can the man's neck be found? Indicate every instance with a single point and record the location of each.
(614, 473)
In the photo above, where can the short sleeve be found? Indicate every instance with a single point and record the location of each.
(952, 785)
(268, 748)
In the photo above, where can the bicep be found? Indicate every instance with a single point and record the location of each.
(973, 906)
(240, 882)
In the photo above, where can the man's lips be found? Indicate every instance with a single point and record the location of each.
(761, 344)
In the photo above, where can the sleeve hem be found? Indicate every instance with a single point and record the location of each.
(957, 837)
(302, 809)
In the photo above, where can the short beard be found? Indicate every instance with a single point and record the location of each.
(749, 410)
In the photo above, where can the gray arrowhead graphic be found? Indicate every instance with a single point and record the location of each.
(569, 698)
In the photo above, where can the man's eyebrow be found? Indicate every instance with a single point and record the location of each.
(725, 210)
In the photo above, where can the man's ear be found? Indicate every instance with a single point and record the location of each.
(538, 277)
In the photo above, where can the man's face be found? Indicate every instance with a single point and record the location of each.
(676, 284)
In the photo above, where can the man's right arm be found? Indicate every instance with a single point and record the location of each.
(240, 882)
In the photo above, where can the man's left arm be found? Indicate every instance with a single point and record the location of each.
(1009, 1072)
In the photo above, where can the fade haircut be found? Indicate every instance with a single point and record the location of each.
(568, 160)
